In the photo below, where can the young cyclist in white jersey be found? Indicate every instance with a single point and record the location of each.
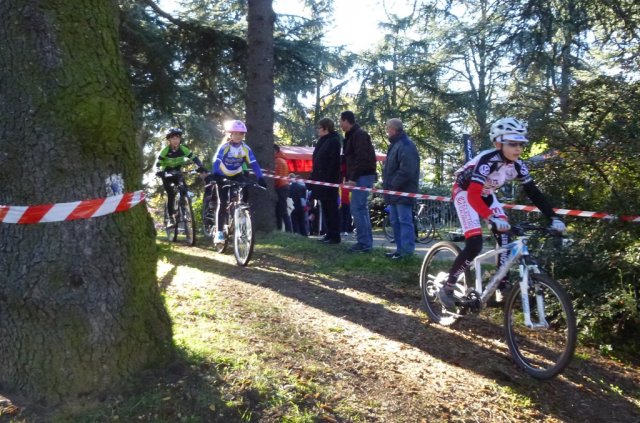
(228, 164)
(474, 197)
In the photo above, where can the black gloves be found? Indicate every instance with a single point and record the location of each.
(201, 170)
(262, 182)
(160, 174)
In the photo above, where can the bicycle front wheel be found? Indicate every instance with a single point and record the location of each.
(243, 236)
(542, 351)
(170, 230)
(387, 228)
(435, 267)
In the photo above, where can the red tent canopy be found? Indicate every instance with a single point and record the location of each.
(299, 159)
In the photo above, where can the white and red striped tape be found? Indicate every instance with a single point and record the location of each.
(563, 212)
(118, 203)
(86, 209)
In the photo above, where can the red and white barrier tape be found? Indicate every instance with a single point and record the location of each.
(86, 209)
(564, 212)
(102, 206)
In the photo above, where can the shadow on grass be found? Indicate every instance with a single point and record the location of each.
(184, 390)
(584, 382)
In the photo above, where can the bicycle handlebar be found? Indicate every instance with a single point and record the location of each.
(177, 172)
(521, 229)
(229, 183)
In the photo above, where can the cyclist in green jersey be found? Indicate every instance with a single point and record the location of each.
(170, 160)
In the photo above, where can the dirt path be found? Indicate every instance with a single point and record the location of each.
(378, 353)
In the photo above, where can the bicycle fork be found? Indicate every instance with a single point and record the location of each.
(526, 307)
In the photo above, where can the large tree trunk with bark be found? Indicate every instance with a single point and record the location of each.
(260, 99)
(80, 311)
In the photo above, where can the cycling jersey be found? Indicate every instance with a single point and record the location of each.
(490, 169)
(229, 159)
(483, 175)
(169, 159)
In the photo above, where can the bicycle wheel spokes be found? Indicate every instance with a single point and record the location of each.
(171, 232)
(425, 229)
(243, 236)
(208, 219)
(438, 261)
(543, 351)
(207, 225)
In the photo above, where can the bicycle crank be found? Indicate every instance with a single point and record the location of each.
(470, 303)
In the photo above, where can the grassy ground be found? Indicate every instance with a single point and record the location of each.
(311, 333)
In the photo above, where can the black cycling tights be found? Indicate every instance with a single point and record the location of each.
(223, 198)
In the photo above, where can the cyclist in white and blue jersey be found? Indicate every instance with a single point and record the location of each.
(474, 197)
(232, 157)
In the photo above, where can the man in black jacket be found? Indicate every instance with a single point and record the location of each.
(360, 158)
(326, 168)
(401, 173)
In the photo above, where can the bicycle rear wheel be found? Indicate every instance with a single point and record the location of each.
(208, 218)
(439, 260)
(243, 236)
(425, 228)
(541, 352)
(188, 228)
(387, 228)
(171, 232)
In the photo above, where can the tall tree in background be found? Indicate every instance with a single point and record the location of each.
(401, 79)
(79, 304)
(260, 95)
(308, 69)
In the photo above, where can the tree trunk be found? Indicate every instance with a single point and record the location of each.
(260, 101)
(80, 311)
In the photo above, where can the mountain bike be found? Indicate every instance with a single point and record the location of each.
(239, 224)
(423, 227)
(184, 227)
(538, 317)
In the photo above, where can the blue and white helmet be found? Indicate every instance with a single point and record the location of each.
(508, 129)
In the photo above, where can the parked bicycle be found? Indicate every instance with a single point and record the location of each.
(184, 227)
(444, 219)
(423, 226)
(538, 315)
(239, 224)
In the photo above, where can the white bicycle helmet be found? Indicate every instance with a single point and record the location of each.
(235, 126)
(508, 129)
(174, 131)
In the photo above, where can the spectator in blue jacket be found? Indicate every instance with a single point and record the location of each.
(401, 173)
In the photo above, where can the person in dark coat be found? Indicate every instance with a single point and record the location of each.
(360, 159)
(326, 168)
(401, 173)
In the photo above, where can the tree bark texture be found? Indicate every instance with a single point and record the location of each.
(260, 99)
(80, 310)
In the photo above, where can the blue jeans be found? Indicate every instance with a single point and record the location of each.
(401, 216)
(282, 214)
(360, 211)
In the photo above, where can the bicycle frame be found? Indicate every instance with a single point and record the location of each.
(518, 251)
